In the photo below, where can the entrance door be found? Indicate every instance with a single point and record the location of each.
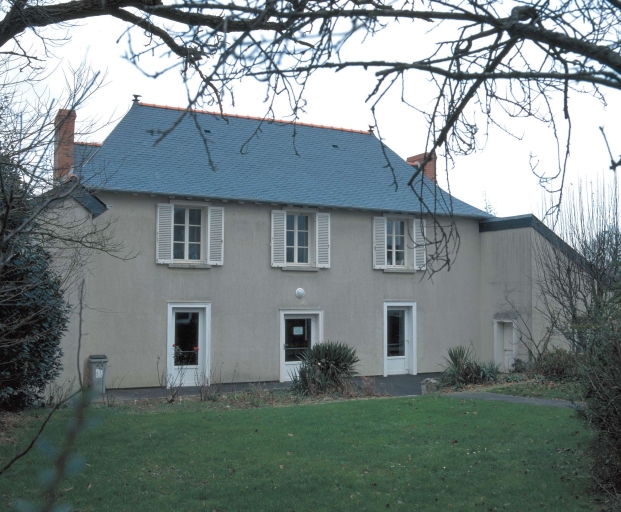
(298, 333)
(399, 348)
(187, 345)
(505, 346)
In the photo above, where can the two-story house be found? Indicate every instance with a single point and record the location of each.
(257, 239)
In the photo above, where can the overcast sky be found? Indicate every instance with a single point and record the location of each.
(501, 170)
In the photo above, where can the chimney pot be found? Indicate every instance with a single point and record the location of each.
(64, 134)
(430, 169)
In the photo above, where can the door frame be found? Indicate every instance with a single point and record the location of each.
(411, 350)
(204, 339)
(316, 316)
(499, 341)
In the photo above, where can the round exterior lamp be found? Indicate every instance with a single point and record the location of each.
(300, 293)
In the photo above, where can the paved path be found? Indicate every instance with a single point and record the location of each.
(495, 397)
(393, 385)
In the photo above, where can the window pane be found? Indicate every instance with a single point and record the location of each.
(178, 251)
(195, 234)
(389, 227)
(399, 227)
(389, 242)
(396, 333)
(195, 216)
(400, 243)
(297, 337)
(179, 215)
(302, 222)
(400, 258)
(290, 238)
(186, 339)
(389, 257)
(302, 239)
(194, 251)
(290, 253)
(291, 222)
(302, 255)
(179, 234)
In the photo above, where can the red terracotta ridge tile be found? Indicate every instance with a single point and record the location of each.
(181, 109)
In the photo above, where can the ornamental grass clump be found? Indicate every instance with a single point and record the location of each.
(324, 368)
(462, 368)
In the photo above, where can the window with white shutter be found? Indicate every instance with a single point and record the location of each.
(379, 242)
(190, 234)
(163, 249)
(399, 244)
(215, 235)
(300, 239)
(420, 244)
(322, 238)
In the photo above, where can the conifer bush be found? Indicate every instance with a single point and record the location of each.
(35, 316)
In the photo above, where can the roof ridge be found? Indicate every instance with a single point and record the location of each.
(98, 144)
(282, 121)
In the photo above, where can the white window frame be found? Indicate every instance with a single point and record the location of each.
(319, 232)
(212, 234)
(309, 240)
(415, 257)
(407, 235)
(186, 242)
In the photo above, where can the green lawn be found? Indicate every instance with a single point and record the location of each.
(540, 388)
(413, 454)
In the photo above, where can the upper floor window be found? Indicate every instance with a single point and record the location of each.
(399, 243)
(395, 243)
(297, 238)
(190, 233)
(187, 233)
(300, 239)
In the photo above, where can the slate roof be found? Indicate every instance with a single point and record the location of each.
(273, 162)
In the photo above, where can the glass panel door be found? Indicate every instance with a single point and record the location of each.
(187, 350)
(397, 339)
(298, 337)
(186, 339)
(396, 333)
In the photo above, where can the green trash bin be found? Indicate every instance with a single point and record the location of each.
(98, 363)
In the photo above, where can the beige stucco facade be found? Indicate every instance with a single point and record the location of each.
(127, 302)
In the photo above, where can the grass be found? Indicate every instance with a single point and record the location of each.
(417, 454)
(540, 388)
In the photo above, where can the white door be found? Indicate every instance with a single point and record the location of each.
(299, 332)
(399, 338)
(505, 345)
(187, 348)
(509, 345)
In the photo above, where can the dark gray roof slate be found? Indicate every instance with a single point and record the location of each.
(273, 162)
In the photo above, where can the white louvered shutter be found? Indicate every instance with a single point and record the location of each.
(215, 235)
(379, 242)
(163, 235)
(323, 240)
(279, 218)
(420, 246)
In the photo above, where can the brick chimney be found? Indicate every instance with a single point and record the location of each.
(64, 131)
(430, 169)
